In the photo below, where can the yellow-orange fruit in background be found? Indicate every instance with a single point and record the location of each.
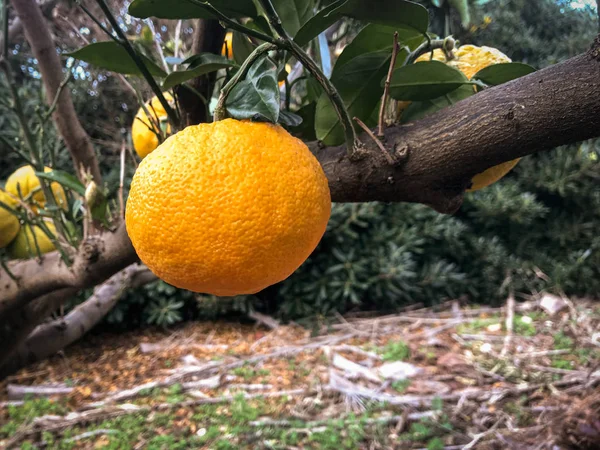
(227, 208)
(470, 59)
(24, 245)
(9, 223)
(143, 137)
(26, 181)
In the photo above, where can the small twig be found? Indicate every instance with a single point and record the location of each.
(158, 46)
(122, 182)
(177, 41)
(510, 321)
(386, 90)
(389, 158)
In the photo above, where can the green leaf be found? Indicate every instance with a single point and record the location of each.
(241, 47)
(306, 130)
(418, 110)
(394, 13)
(320, 22)
(425, 80)
(374, 38)
(65, 179)
(200, 65)
(289, 119)
(294, 13)
(112, 56)
(503, 72)
(184, 9)
(359, 84)
(256, 97)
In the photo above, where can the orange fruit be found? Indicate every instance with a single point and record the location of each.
(144, 129)
(24, 245)
(470, 59)
(26, 181)
(227, 208)
(227, 49)
(9, 223)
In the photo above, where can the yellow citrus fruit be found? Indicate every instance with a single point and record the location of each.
(25, 180)
(470, 59)
(144, 138)
(227, 208)
(227, 49)
(24, 245)
(9, 223)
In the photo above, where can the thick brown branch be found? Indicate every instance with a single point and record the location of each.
(51, 337)
(552, 107)
(98, 258)
(555, 106)
(42, 45)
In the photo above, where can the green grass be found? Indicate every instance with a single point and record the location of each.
(396, 351)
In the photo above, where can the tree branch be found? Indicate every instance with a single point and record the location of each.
(67, 122)
(51, 337)
(98, 258)
(16, 27)
(554, 106)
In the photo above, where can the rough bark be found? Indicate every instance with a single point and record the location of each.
(49, 338)
(554, 106)
(208, 37)
(44, 50)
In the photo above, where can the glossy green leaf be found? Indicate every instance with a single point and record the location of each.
(202, 64)
(289, 119)
(425, 80)
(359, 84)
(294, 13)
(184, 9)
(503, 72)
(112, 56)
(256, 97)
(65, 179)
(241, 47)
(306, 130)
(418, 110)
(394, 13)
(374, 38)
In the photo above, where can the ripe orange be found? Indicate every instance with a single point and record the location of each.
(227, 49)
(227, 208)
(144, 129)
(25, 181)
(470, 59)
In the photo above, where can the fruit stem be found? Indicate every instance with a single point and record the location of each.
(139, 63)
(220, 110)
(425, 47)
(352, 142)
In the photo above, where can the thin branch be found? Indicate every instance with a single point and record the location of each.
(388, 156)
(386, 90)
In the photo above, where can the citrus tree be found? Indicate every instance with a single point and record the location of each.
(245, 144)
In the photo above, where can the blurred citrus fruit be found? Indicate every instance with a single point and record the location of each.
(26, 181)
(227, 208)
(9, 223)
(144, 128)
(24, 245)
